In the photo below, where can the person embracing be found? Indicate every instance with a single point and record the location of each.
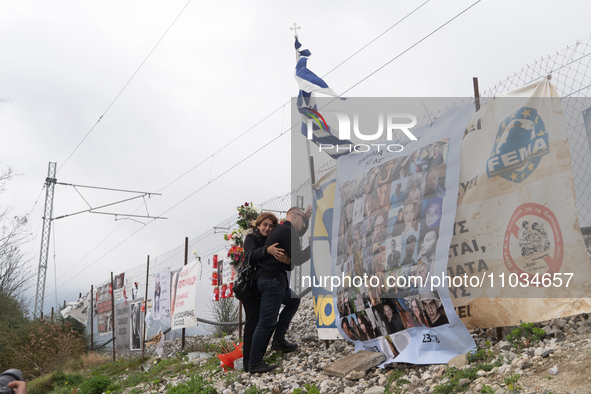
(272, 283)
(254, 242)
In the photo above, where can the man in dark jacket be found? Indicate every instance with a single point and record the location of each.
(273, 285)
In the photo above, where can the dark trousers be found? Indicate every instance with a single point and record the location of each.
(273, 294)
(252, 308)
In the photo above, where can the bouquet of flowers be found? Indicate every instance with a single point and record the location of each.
(236, 254)
(248, 214)
(236, 236)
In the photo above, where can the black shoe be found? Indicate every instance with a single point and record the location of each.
(261, 367)
(283, 346)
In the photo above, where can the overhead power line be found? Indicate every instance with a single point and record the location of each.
(271, 141)
(124, 86)
(252, 127)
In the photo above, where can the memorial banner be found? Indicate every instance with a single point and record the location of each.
(119, 289)
(104, 315)
(161, 303)
(123, 329)
(185, 297)
(135, 321)
(392, 226)
(517, 253)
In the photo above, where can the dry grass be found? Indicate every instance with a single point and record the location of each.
(92, 359)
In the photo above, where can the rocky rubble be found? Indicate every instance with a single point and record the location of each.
(558, 364)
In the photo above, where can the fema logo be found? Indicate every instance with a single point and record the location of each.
(521, 142)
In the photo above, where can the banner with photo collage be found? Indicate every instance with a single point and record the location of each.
(393, 223)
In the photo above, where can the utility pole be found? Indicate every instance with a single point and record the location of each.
(50, 183)
(49, 188)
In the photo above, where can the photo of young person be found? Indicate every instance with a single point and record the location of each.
(384, 196)
(371, 203)
(345, 325)
(398, 192)
(357, 237)
(431, 213)
(386, 173)
(371, 181)
(410, 218)
(415, 165)
(428, 246)
(393, 252)
(415, 186)
(367, 331)
(157, 291)
(401, 168)
(358, 207)
(375, 314)
(436, 157)
(358, 263)
(422, 269)
(174, 278)
(367, 231)
(380, 227)
(355, 328)
(395, 222)
(405, 315)
(433, 308)
(135, 337)
(391, 318)
(435, 182)
(417, 312)
(346, 217)
(409, 243)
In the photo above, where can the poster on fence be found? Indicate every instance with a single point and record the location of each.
(185, 297)
(392, 226)
(119, 288)
(123, 326)
(78, 310)
(135, 321)
(104, 315)
(224, 267)
(161, 303)
(174, 278)
(517, 236)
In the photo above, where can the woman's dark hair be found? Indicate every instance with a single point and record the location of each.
(264, 216)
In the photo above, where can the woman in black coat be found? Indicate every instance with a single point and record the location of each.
(252, 304)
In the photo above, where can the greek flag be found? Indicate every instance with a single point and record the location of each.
(308, 82)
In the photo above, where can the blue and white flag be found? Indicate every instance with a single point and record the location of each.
(314, 126)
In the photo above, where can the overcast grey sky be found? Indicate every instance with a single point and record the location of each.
(221, 68)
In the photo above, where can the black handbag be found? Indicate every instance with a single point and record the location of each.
(245, 283)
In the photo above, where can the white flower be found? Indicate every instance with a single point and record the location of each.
(195, 252)
(255, 208)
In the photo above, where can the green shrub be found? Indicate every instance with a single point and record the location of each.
(525, 335)
(95, 385)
